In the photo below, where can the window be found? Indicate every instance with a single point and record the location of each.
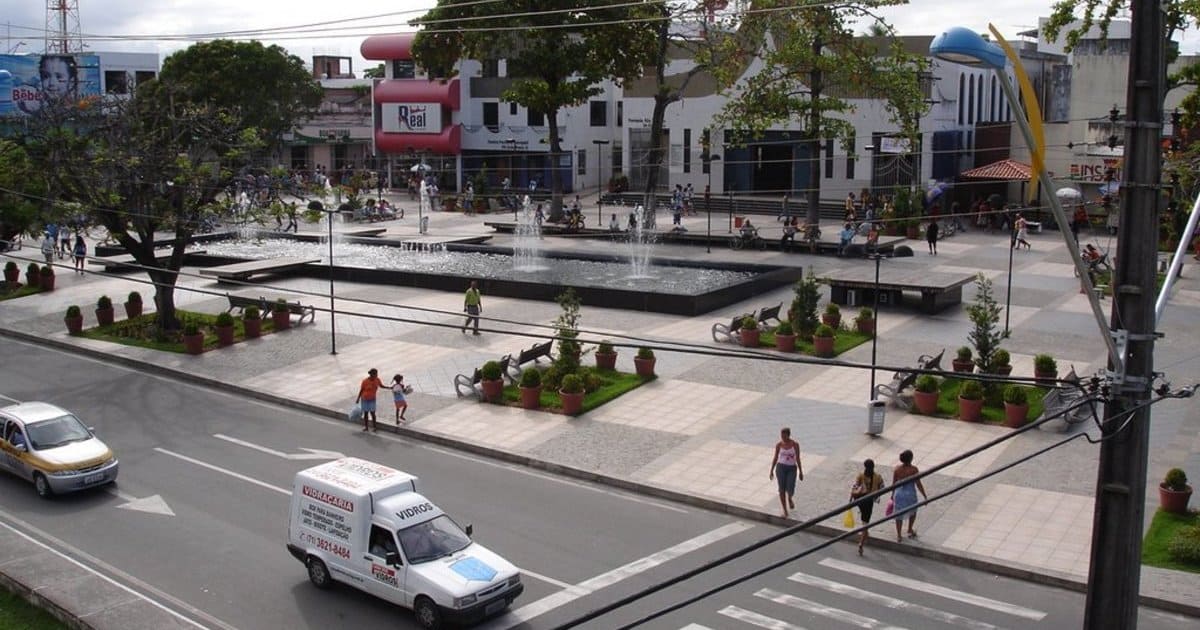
(491, 68)
(620, 113)
(404, 69)
(512, 109)
(971, 101)
(687, 150)
(535, 118)
(116, 82)
(143, 75)
(705, 151)
(581, 162)
(850, 164)
(962, 95)
(491, 116)
(829, 159)
(599, 113)
(382, 543)
(616, 156)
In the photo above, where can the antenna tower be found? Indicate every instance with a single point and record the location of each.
(63, 36)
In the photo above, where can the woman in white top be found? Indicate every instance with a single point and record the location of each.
(786, 469)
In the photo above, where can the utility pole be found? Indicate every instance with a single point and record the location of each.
(1114, 576)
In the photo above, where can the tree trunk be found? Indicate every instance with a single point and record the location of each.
(812, 214)
(556, 185)
(649, 198)
(163, 277)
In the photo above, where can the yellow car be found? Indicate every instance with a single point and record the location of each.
(49, 446)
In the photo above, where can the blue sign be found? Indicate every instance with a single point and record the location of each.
(35, 79)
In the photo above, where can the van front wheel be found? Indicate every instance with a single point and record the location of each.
(427, 613)
(318, 573)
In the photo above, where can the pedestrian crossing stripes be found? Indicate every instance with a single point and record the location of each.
(807, 605)
(894, 603)
(755, 619)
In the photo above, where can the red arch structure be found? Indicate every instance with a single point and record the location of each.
(444, 93)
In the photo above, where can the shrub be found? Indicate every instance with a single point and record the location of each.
(566, 326)
(251, 312)
(1016, 395)
(104, 302)
(1000, 358)
(645, 353)
(984, 314)
(865, 314)
(748, 322)
(190, 329)
(47, 270)
(552, 377)
(572, 384)
(963, 353)
(281, 306)
(1184, 545)
(832, 309)
(10, 266)
(134, 297)
(532, 378)
(823, 331)
(1175, 480)
(591, 380)
(316, 206)
(605, 347)
(926, 384)
(490, 371)
(1045, 363)
(224, 319)
(804, 305)
(971, 390)
(33, 269)
(784, 328)
(74, 311)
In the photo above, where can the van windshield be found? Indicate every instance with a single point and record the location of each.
(433, 539)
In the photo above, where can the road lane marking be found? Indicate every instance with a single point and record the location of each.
(153, 504)
(809, 606)
(935, 589)
(61, 544)
(589, 586)
(224, 471)
(545, 578)
(890, 602)
(313, 453)
(755, 619)
(695, 626)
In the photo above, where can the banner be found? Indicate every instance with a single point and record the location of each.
(411, 117)
(27, 81)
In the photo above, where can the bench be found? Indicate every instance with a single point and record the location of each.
(905, 379)
(770, 313)
(365, 232)
(1066, 405)
(856, 286)
(534, 353)
(725, 332)
(127, 261)
(243, 270)
(266, 304)
(471, 383)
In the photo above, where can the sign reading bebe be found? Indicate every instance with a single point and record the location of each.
(412, 117)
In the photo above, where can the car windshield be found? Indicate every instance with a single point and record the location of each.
(56, 432)
(432, 539)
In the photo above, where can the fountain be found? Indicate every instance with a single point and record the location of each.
(639, 246)
(527, 241)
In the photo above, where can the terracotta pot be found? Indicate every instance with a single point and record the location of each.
(823, 346)
(912, 232)
(12, 276)
(970, 410)
(32, 279)
(1045, 379)
(606, 360)
(224, 336)
(531, 397)
(925, 402)
(105, 316)
(46, 282)
(833, 321)
(865, 326)
(194, 344)
(1174, 501)
(492, 390)
(282, 319)
(253, 328)
(133, 309)
(1002, 370)
(749, 336)
(644, 367)
(737, 221)
(785, 343)
(74, 324)
(891, 229)
(966, 366)
(572, 403)
(1015, 415)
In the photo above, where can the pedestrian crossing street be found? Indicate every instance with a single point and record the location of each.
(877, 600)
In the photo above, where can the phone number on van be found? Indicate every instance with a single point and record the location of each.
(324, 545)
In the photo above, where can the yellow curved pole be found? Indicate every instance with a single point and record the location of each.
(1034, 113)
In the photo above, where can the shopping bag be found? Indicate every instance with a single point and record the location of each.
(848, 519)
(891, 507)
(355, 414)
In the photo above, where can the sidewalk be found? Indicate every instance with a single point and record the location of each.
(704, 431)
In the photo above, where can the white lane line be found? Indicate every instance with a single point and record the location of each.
(893, 603)
(809, 606)
(755, 619)
(934, 589)
(550, 602)
(545, 578)
(61, 544)
(224, 471)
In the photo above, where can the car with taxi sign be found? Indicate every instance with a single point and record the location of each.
(50, 447)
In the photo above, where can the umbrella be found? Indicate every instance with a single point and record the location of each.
(1068, 194)
(421, 167)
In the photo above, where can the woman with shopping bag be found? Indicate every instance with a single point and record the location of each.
(867, 482)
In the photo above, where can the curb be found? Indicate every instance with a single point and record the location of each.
(962, 560)
(52, 608)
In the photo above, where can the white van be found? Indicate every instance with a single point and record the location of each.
(364, 524)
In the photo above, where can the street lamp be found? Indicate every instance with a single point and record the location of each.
(876, 256)
(708, 160)
(599, 184)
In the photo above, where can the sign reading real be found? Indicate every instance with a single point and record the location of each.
(412, 117)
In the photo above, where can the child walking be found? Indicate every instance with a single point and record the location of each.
(399, 389)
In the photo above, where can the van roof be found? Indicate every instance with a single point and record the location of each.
(358, 475)
(407, 508)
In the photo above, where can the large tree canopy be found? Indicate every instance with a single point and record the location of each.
(22, 191)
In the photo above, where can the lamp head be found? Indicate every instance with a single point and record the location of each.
(964, 46)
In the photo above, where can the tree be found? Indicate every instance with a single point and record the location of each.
(22, 192)
(984, 314)
(374, 73)
(812, 65)
(557, 51)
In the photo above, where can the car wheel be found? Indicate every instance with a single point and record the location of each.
(42, 486)
(318, 573)
(427, 613)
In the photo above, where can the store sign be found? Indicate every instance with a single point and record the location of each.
(1096, 172)
(888, 144)
(412, 117)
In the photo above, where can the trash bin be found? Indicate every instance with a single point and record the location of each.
(424, 227)
(876, 410)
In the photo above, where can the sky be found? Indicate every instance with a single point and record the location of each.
(25, 19)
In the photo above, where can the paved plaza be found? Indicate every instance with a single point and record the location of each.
(706, 427)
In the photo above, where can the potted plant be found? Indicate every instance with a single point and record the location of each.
(571, 393)
(832, 316)
(970, 401)
(925, 394)
(46, 278)
(785, 337)
(643, 363)
(104, 311)
(252, 322)
(823, 341)
(133, 306)
(749, 332)
(1016, 406)
(1045, 370)
(865, 322)
(1174, 492)
(32, 273)
(606, 356)
(1000, 362)
(280, 315)
(531, 388)
(74, 320)
(224, 328)
(490, 381)
(962, 360)
(193, 338)
(12, 274)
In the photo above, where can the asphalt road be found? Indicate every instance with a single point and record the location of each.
(211, 473)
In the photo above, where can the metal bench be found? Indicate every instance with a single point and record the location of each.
(266, 304)
(534, 353)
(471, 383)
(725, 332)
(905, 379)
(769, 314)
(1068, 405)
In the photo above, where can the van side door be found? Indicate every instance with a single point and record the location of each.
(383, 579)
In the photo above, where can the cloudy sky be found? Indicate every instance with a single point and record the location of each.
(24, 21)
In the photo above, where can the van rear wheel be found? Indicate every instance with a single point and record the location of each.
(427, 613)
(318, 573)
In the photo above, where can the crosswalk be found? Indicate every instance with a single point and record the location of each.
(877, 600)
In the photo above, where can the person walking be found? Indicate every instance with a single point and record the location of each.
(367, 392)
(867, 482)
(399, 389)
(80, 253)
(786, 469)
(1022, 227)
(473, 305)
(931, 235)
(48, 248)
(904, 497)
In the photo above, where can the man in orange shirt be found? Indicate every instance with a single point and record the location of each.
(366, 397)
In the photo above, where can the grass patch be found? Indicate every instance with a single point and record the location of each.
(993, 410)
(844, 340)
(18, 614)
(20, 292)
(613, 385)
(1162, 529)
(1104, 280)
(143, 332)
